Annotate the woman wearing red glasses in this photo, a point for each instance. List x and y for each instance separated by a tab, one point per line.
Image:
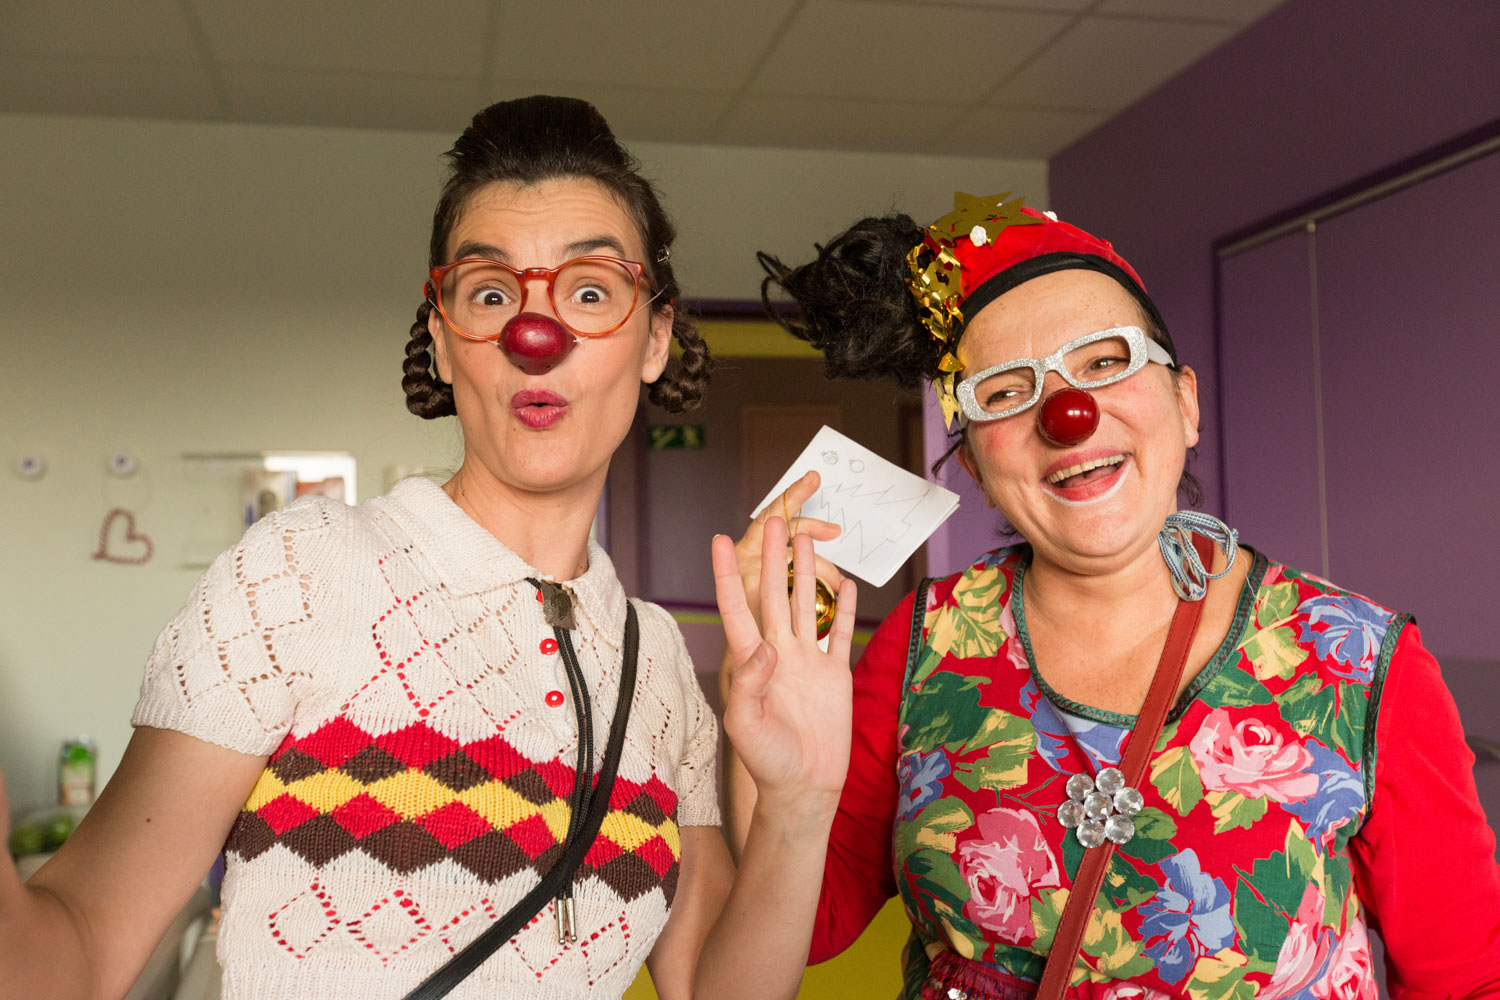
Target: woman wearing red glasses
448	755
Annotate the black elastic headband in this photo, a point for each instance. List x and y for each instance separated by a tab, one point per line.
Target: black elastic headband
997	285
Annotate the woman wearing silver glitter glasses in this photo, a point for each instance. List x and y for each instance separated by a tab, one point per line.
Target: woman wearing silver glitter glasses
1126	757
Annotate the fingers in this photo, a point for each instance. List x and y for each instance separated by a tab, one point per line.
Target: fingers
828	573
804	589
740	630
748	685
842	635
789	504
774	614
821	530
797	493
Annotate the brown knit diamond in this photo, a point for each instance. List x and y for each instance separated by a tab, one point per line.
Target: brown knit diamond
647	808
250	837
371	764
319	840
492	856
531	786
457	771
404	846
292	765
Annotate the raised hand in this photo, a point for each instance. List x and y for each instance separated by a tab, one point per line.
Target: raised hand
787	710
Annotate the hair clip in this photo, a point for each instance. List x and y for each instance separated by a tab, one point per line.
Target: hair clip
664	255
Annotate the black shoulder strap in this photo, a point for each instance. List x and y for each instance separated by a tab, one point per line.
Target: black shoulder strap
457	968
918	640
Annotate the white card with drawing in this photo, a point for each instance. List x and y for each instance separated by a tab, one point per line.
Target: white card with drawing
885	511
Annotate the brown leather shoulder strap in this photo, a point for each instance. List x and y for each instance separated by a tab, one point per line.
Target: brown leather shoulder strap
1148	725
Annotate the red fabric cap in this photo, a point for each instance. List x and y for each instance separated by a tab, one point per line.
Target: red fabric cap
1014	244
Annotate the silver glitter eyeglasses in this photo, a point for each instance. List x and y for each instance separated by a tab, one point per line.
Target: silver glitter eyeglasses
1088	362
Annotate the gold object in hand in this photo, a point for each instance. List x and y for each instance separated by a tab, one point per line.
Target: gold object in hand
824	602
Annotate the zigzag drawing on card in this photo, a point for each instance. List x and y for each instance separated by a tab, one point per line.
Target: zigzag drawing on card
885	511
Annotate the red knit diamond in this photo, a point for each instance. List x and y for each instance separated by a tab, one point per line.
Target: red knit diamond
284	812
363	815
601	852
334	742
417	745
558	776
664	796
532	836
497	757
623	793
454	824
656	853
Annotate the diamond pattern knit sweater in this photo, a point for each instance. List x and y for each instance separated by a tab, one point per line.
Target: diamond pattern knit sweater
394	663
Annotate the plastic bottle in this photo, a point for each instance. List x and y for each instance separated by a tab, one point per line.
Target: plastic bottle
77	768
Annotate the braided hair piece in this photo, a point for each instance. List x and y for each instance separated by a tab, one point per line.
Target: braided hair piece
427	395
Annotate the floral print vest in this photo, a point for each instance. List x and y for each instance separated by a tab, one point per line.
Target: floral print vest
1237	882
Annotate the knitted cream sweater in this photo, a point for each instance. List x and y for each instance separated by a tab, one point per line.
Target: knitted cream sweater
394	663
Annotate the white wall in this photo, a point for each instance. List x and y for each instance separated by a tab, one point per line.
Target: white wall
184	287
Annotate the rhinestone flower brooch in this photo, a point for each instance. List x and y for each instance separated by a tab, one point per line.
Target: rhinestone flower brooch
1100	809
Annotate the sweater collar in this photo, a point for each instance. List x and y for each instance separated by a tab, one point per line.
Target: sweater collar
470	560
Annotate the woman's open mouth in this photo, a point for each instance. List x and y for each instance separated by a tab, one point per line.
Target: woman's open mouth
1090	479
538	408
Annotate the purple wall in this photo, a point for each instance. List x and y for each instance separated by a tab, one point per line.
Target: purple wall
1312	96
1379	327
1406	313
1266	318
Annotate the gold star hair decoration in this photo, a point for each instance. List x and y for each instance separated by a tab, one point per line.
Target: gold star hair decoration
947	398
993	213
936	283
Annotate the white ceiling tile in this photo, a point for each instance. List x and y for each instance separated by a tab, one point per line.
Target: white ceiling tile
143	29
833	123
1057	5
136	89
847	74
1234	11
847	48
636	43
355	36
633	113
1108	63
1017	132
299	97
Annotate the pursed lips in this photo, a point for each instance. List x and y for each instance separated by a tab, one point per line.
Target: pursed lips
538	408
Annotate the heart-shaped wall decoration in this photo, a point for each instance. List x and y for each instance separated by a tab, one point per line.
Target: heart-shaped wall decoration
132	550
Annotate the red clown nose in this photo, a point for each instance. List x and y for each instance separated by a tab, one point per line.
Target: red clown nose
535	343
1069	416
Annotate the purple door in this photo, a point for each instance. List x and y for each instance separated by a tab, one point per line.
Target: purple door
1360	370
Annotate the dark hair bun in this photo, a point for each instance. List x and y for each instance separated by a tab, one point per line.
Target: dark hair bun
854	304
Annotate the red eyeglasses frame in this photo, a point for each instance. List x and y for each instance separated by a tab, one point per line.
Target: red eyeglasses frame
431	290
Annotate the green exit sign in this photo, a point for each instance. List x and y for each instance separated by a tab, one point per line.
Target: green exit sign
675	436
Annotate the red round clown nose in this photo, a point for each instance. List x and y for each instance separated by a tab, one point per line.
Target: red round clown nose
535	343
1069	416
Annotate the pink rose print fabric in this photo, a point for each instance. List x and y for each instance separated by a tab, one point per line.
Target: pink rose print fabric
1003	866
